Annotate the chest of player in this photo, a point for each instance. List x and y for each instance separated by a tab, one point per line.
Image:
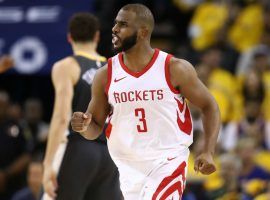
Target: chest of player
148	88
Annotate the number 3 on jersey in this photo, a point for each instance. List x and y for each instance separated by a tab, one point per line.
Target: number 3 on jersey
140	113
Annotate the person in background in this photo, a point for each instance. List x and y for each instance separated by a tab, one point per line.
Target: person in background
228	174
87	170
14	155
246	151
34	182
34	128
6	62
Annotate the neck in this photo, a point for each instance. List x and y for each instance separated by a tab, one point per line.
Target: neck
138	57
89	48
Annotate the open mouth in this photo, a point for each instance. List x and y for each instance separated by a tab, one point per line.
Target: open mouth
115	39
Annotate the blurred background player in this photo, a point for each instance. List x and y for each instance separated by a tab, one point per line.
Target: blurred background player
14	154
86	171
34	181
6	62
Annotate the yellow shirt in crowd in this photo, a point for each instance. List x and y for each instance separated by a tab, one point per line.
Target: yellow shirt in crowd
224	87
247	30
207	20
266	102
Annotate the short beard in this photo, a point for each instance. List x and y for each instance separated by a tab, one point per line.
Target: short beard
127	43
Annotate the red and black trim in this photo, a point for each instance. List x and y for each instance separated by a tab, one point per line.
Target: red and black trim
109	76
168	76
145	69
108	130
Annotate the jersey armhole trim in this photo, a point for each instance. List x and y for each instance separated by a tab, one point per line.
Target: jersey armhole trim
168	76
109	76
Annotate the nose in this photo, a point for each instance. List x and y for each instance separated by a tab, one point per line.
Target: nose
115	29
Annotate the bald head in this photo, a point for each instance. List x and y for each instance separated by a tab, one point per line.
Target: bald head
143	15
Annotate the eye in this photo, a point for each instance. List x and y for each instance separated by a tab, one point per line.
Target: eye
122	24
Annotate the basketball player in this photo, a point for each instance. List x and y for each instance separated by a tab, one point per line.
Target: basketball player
143	90
86	171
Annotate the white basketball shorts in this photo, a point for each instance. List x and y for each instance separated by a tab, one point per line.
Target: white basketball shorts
159	179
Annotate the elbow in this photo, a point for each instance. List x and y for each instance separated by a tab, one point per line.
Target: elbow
213	108
91	135
217	110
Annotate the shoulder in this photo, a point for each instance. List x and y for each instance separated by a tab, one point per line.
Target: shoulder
66	68
101	58
180	64
63	64
102	74
182	68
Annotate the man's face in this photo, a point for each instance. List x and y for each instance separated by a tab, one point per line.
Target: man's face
124	32
34	176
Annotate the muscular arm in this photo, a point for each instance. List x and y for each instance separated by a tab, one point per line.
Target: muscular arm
184	77
98	107
64	75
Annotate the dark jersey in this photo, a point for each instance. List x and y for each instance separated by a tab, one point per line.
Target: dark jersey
89	159
82	90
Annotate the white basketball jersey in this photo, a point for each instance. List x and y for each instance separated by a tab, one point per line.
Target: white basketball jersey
150	119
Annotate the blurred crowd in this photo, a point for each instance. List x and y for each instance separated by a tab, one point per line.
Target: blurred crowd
229	45
228	42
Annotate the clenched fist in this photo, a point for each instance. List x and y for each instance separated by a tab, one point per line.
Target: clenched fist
204	163
80	121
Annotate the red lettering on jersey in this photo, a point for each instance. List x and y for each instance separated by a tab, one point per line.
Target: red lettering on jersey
160	94
116	97
123	97
145	94
137	95
152	94
129	96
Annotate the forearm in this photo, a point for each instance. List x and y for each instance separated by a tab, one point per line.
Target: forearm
94	130
211	125
56	136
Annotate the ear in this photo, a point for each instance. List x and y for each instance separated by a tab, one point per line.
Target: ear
143	32
69	38
96	37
